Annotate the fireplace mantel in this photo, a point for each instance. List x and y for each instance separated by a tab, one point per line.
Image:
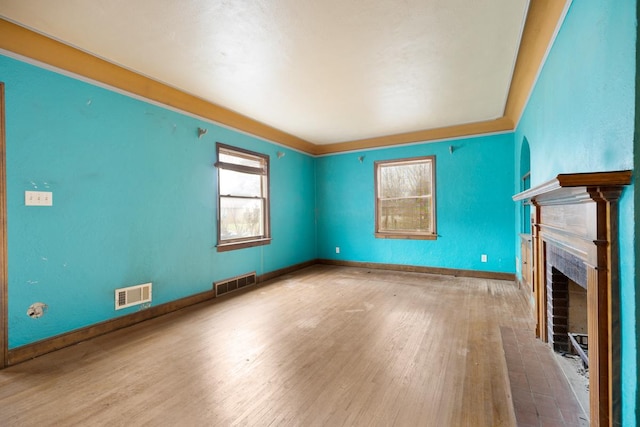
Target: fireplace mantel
575	188
577	214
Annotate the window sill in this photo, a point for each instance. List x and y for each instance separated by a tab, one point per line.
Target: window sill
232	246
406	236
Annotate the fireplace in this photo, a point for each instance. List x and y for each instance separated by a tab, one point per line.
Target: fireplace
575	277
567	313
566	275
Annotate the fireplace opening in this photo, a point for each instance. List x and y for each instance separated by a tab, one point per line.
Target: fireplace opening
578	318
567	314
567	323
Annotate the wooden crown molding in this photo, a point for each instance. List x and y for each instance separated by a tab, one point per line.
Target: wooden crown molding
542	20
503	124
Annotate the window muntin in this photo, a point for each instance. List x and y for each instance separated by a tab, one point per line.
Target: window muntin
405	198
243	198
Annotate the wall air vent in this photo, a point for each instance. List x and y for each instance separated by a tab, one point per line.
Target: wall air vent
133	295
229	285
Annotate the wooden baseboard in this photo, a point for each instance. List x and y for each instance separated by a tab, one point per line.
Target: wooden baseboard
287	270
29	351
419	269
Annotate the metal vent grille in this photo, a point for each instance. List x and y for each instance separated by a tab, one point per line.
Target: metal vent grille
133	295
235	283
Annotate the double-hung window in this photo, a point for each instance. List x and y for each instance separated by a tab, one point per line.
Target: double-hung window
405	198
243	198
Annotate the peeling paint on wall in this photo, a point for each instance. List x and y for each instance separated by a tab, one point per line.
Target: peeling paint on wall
36	310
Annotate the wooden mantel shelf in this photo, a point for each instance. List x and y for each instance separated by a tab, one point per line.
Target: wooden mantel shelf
575	185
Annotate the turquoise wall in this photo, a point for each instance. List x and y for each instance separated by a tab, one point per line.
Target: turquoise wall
473	203
134	200
580	118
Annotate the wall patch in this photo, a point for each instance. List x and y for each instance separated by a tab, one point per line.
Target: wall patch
36	310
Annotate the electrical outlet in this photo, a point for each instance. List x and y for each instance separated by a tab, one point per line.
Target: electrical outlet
38	198
483	257
337	249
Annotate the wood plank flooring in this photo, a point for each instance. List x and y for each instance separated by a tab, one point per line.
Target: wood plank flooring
323	346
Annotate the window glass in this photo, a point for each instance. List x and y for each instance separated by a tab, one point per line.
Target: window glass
405	198
240	218
240	184
405	180
237	159
405	215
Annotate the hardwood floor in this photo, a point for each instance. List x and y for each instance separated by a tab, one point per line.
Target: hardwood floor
323	346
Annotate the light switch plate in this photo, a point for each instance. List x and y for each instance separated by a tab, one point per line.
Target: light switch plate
38	198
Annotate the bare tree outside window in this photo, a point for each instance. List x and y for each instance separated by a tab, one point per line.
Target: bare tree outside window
405	198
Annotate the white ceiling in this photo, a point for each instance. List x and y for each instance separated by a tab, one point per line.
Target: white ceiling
326	70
